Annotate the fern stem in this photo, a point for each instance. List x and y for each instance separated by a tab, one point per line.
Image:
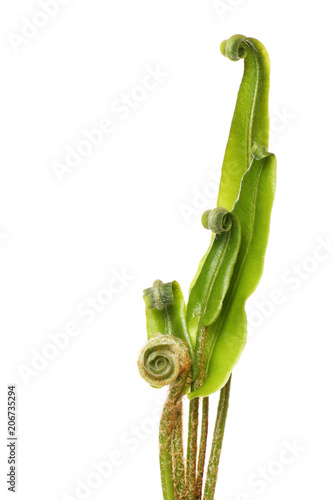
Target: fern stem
212	472
202	447
194	416
166	429
177	453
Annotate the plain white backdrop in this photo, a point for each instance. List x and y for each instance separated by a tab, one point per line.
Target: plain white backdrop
81	235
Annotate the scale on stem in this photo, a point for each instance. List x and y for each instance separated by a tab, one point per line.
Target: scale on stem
195	347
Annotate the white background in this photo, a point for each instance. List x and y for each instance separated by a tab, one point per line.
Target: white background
122	209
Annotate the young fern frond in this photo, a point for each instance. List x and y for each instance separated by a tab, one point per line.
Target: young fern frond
165	360
195	348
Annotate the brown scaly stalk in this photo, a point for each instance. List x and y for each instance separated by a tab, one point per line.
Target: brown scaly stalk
177	455
167	428
192	448
202	447
194	470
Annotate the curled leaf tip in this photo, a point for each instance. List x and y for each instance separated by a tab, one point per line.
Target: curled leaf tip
259	152
251	116
163	359
217	220
233	48
159	296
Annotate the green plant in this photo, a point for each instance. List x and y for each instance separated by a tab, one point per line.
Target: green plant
194	348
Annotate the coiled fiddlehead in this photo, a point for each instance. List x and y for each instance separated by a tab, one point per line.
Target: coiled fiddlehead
165	360
159	296
217	220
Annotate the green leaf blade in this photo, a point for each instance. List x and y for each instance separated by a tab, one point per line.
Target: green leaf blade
251	116
226	338
207	294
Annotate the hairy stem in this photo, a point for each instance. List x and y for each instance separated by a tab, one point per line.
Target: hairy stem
166	429
202	447
194	417
192	448
178	458
212	472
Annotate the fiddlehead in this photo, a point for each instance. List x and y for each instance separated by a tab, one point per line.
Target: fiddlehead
207	337
165	360
234	48
217	220
159	296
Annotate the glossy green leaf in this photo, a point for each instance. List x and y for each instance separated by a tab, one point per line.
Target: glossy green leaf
251	116
210	287
166	314
226	338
